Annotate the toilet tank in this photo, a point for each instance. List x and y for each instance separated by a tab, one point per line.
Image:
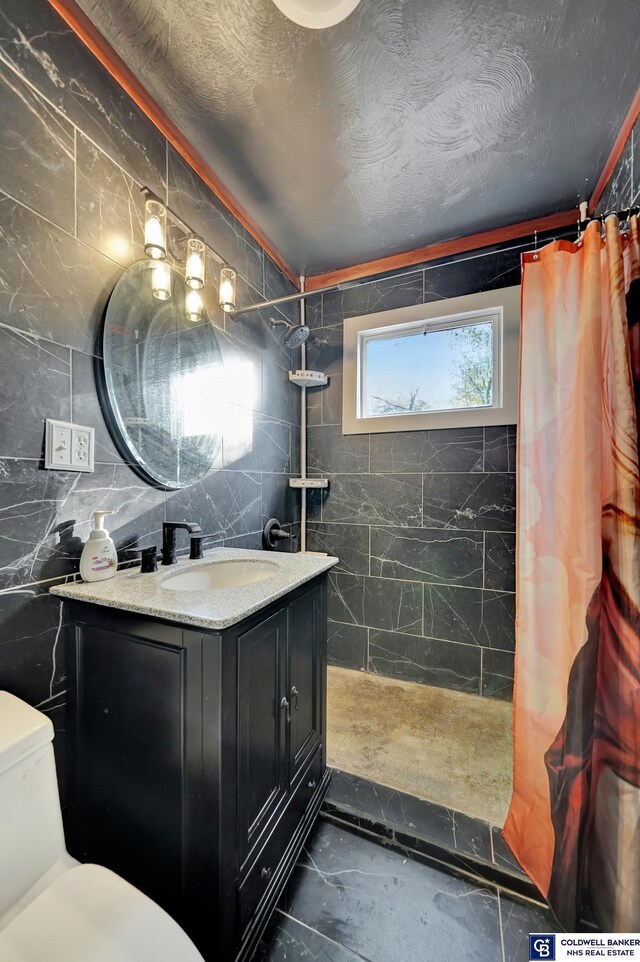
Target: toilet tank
31	834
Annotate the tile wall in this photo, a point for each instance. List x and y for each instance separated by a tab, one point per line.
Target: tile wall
74	151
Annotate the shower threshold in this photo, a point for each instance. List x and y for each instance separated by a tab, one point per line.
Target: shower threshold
442	746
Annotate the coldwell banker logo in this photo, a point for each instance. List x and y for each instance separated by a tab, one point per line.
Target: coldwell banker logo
542	947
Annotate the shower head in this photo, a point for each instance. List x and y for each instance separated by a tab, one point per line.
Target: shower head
295	336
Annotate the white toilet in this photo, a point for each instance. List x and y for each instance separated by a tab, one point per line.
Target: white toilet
52	909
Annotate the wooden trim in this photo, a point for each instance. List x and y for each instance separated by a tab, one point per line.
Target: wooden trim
616	151
75	18
445	249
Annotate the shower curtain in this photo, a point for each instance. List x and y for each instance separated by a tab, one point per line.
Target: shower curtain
574	819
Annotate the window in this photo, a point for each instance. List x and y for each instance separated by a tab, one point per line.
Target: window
449	364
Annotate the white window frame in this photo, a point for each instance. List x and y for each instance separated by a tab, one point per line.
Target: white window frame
502	307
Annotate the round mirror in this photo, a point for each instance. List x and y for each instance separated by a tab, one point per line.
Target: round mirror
162	376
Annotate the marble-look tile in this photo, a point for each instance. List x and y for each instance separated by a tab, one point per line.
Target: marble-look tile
45	516
348	542
110	207
618	193
368	298
421	554
243	374
425	660
280	398
225	503
324	350
497	674
332	400
313	311
415	817
314	405
86	408
376	602
519	918
254	442
427	451
470	616
500	448
35	384
279	500
287	940
500	561
32	662
387	907
347	645
51	285
36	151
38	43
193	200
485	270
276	284
375	499
473	501
254	330
332	452
502	854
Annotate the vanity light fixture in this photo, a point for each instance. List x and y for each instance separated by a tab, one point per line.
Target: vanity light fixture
227	299
316	14
194	271
161	281
155	228
193	306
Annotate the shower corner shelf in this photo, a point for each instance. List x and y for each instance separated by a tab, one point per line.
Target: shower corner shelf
308	378
308	483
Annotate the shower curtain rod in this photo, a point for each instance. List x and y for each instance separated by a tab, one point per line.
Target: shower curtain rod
623	214
302	295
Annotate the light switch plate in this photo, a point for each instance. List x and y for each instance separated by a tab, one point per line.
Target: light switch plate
68	447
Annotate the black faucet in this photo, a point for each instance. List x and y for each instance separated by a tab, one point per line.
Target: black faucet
169	538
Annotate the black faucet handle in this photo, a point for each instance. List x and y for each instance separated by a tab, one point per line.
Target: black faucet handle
195	553
148	558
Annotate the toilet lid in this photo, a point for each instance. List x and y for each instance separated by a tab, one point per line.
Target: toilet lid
89	914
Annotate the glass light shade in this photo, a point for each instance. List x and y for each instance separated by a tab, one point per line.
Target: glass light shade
194	271
161	282
316	14
227	299
193	306
155	229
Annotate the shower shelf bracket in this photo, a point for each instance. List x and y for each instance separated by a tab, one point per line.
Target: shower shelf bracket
308	483
308	378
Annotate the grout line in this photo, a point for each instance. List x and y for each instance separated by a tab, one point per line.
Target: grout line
75	183
447	641
504	958
309	928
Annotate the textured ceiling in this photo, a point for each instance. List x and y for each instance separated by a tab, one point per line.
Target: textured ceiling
411	122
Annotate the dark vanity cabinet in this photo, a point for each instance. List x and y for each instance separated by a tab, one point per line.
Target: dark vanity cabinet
198	758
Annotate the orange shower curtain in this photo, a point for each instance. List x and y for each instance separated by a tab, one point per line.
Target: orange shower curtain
574	820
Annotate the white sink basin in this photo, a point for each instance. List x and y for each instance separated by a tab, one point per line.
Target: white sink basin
221	574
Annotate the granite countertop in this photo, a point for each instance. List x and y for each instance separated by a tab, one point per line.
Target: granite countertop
213	609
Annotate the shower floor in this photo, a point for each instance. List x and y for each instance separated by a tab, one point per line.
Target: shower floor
443	746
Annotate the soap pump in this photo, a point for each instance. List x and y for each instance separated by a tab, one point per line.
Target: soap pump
99	559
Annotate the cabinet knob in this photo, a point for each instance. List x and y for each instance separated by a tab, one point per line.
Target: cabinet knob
284	706
294	695
265	872
312	783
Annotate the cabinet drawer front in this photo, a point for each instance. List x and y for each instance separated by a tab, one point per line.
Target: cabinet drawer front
266	867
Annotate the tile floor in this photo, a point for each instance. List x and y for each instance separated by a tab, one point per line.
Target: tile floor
422	740
351	899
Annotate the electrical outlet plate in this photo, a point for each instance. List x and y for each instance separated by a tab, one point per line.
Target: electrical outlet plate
68	447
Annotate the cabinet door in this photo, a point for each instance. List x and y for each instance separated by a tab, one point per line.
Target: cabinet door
304	677
262	720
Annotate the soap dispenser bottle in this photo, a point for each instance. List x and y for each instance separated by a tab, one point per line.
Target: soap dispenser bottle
99	559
